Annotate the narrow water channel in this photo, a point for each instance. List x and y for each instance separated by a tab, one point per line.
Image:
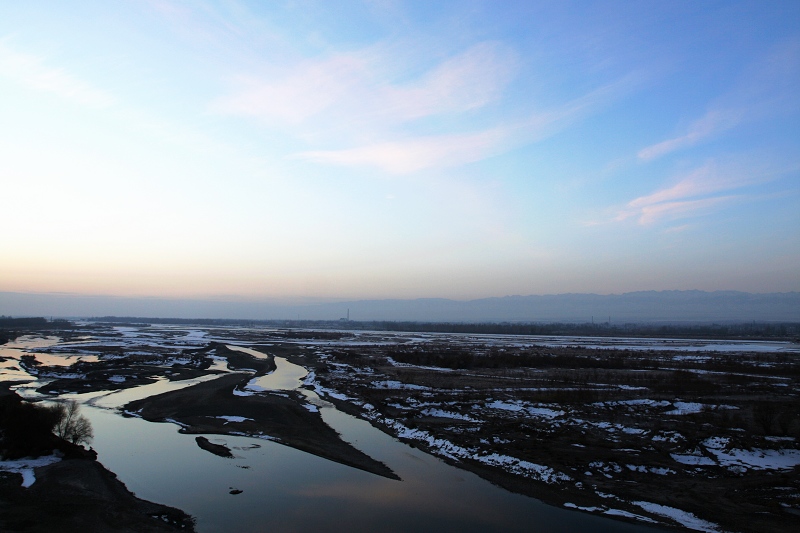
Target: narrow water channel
284	489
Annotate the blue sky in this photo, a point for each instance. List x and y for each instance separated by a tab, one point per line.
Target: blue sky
382	149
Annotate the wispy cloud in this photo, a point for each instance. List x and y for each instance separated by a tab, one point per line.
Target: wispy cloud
306	91
700	191
467	81
409	155
403	157
768	87
712	123
353	85
33	72
674	210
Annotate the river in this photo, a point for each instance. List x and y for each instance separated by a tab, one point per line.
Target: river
284	489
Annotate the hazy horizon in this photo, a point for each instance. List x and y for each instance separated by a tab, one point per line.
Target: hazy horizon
337	151
634	307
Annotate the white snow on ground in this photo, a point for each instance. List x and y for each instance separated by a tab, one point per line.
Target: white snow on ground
780	439
544	412
611	428
758	459
589	509
127	331
117	379
447	414
643	401
311	381
685	408
689	408
407	365
521	406
250	389
254	436
525	468
173	421
392	384
668	436
231	418
56	375
505	406
626	514
26	466
650	469
693	459
716	443
682	517
448	449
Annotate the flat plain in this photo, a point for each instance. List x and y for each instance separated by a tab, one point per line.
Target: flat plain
674	433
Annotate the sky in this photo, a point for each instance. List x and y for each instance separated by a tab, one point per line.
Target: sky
312	151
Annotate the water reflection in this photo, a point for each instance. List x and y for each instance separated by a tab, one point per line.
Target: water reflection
285	489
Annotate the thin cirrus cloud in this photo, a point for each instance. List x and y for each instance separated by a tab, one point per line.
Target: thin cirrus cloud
413	154
712	123
465	82
674	210
352	84
697	193
303	93
767	87
403	157
32	71
374	116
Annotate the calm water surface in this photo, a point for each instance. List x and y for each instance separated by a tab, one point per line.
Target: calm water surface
288	490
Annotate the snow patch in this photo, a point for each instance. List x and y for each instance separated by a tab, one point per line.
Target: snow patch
26	466
231	418
682	517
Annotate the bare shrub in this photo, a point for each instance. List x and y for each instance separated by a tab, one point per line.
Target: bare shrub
72	425
764	415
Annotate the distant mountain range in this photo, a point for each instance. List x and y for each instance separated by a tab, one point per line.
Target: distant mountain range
647	306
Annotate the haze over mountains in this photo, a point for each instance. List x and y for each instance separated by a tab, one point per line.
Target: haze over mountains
647	306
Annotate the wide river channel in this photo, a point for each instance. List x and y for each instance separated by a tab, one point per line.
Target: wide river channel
284	489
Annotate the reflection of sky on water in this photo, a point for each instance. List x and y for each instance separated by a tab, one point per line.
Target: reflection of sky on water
285	489
14	349
288	490
118	398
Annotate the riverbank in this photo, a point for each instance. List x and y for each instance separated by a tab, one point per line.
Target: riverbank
81	496
62	487
702	441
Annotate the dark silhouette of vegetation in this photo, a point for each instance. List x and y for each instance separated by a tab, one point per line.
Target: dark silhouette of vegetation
71	425
7	322
27	429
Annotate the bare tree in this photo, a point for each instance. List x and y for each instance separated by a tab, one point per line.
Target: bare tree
72	425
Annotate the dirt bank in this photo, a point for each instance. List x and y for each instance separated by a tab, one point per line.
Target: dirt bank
81	496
